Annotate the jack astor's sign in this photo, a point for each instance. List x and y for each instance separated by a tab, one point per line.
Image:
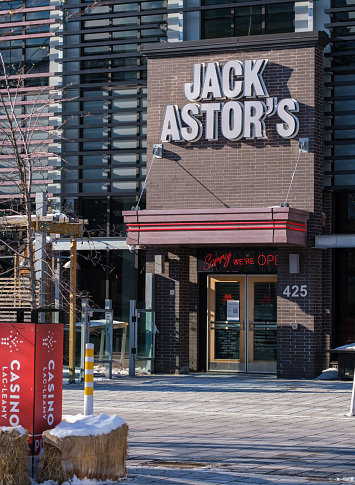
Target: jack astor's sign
241	104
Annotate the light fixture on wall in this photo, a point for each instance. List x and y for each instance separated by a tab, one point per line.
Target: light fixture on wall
294	263
159	260
67	265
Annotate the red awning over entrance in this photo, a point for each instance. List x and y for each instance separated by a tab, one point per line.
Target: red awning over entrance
271	225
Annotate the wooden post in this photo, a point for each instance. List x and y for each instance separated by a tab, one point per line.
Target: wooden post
72	304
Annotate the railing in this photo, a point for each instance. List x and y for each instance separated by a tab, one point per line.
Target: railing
15	293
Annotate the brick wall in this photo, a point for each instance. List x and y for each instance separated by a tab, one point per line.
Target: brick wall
245	173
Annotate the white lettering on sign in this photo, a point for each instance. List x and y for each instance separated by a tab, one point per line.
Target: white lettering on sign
4	391
226	85
48	393
295	291
15	394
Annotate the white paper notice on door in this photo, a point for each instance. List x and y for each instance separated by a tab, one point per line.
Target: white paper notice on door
232	310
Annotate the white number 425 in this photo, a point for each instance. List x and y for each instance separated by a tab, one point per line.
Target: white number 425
295	291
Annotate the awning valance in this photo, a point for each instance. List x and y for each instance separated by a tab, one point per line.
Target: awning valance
271	225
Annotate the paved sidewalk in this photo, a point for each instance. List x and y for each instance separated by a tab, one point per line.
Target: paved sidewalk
229	429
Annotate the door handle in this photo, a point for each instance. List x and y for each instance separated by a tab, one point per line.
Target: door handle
262	325
226	325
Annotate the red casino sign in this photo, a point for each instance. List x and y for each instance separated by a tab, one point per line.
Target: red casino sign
31	378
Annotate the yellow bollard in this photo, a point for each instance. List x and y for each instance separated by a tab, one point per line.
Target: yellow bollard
89	380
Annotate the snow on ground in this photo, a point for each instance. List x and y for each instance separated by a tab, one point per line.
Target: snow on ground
328	374
77	481
81	425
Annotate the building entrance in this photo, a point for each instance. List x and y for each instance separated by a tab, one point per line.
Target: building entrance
242	323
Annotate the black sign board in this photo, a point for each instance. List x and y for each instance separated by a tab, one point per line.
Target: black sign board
244	261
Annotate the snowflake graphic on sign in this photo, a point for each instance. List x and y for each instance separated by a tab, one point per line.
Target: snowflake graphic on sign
12	341
49	341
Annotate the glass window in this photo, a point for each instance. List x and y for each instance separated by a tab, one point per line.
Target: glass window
124	76
346	30
94	187
93	24
95	105
344	105
153	5
344	296
125	34
344	90
128	7
124	144
125	21
126	172
123	158
248	21
118	205
124	117
94	173
343	135
125	48
217	23
94	160
96	37
97	10
101	49
125	102
95	211
152	19
95	145
96	64
348	60
37	29
279	18
343	16
123	186
95	132
152	33
45	14
124	62
124	131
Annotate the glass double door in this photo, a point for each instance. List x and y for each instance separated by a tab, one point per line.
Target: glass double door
242	323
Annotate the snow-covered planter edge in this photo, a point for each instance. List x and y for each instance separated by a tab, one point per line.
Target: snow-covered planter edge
93	447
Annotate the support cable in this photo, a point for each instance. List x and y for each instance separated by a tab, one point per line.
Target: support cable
145	182
285	204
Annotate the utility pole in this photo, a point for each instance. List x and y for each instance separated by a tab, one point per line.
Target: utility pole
40	253
72	309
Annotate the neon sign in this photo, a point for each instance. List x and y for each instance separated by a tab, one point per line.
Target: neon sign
227	85
237	261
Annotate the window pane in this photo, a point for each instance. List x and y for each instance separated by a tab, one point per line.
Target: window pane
279	18
248	21
217	23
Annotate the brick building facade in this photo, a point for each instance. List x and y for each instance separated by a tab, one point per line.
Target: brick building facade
216	197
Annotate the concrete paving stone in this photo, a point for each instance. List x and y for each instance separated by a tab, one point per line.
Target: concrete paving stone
251	422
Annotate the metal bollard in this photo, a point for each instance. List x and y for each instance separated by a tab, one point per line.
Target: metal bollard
89	380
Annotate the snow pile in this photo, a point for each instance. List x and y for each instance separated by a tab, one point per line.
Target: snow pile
83	481
81	425
100	369
328	374
346	347
20	429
